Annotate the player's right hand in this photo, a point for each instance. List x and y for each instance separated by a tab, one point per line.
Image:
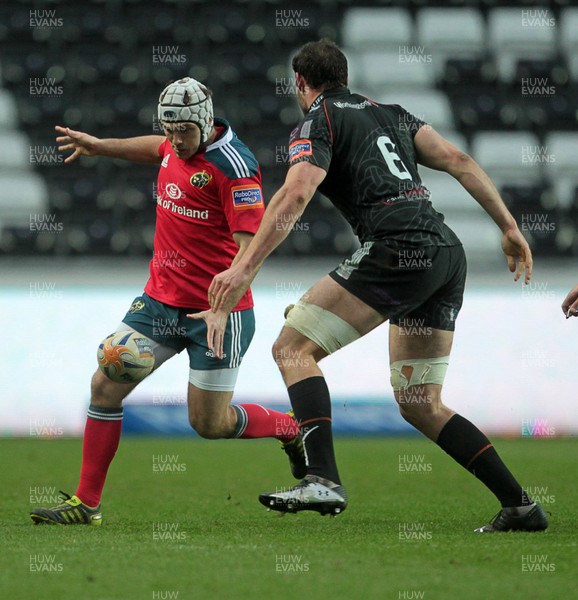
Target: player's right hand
228	287
570	304
516	248
216	325
81	143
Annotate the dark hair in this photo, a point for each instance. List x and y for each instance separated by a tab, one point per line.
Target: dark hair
322	64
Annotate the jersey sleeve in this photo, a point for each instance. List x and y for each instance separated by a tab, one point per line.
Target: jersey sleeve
409	122
243	203
311	141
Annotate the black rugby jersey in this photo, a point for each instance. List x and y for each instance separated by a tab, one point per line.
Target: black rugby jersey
372	179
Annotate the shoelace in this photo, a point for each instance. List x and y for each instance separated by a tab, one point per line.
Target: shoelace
65	497
302	484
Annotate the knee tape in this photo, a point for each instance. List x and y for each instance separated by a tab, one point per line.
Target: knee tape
419	371
321	326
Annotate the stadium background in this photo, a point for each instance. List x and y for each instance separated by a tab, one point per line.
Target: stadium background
499	79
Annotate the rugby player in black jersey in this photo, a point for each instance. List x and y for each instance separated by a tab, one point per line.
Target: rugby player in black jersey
410	269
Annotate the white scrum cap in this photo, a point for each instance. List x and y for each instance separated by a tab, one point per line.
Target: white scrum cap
187	100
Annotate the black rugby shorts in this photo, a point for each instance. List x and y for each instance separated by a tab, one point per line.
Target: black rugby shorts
410	286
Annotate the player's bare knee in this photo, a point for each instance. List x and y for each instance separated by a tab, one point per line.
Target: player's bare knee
277	349
410	416
106	393
418	398
288	357
211	427
418	403
280	352
208	429
282	347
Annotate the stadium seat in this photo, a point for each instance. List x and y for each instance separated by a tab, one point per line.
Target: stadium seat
542	87
524	29
23	60
509	158
447	195
529	198
431	106
550	71
153	23
562	148
469	74
16	240
104	58
8	111
568	32
15	150
15	23
538	214
488	110
23	194
450	32
321	229
376	28
389	70
357	81
573	65
316	24
566	190
479	234
572	211
523	32
106	50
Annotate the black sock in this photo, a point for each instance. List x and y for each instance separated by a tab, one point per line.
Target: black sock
312	407
468	446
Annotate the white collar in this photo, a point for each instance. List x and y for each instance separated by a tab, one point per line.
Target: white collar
225	139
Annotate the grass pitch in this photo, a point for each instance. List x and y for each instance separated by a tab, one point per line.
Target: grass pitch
196	530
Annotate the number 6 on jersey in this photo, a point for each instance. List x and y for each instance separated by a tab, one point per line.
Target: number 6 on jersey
391	157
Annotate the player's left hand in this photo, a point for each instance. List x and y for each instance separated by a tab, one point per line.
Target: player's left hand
570	304
228	287
216	324
516	248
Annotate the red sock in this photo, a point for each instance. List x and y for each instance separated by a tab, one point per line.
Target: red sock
255	421
101	439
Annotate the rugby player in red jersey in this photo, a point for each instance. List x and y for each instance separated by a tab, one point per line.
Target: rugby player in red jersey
209	206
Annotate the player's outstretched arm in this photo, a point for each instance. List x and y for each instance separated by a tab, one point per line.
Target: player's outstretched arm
142	149
570	304
286	206
436	152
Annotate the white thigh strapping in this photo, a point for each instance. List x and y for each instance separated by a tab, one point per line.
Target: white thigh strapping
215	380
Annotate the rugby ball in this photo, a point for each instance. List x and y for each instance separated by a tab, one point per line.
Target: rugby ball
126	357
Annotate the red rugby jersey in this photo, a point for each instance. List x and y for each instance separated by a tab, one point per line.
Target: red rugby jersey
200	203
